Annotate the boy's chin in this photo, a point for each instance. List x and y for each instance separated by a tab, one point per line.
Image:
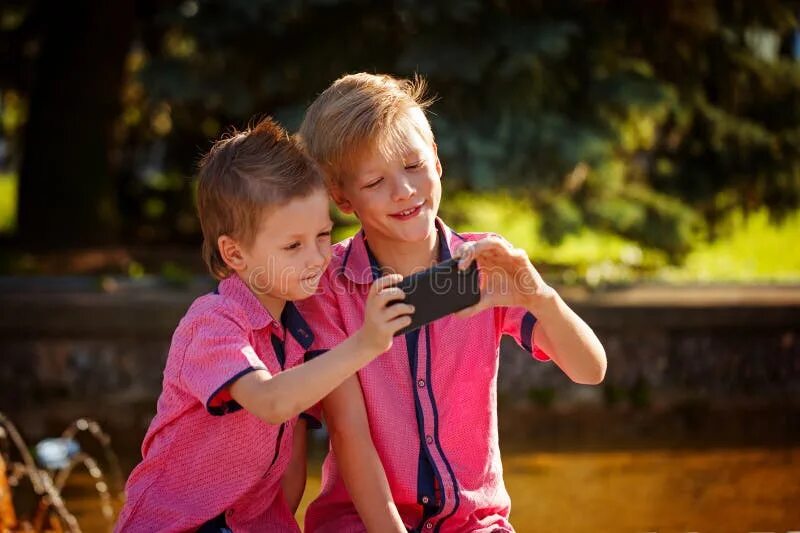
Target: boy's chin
412	231
304	290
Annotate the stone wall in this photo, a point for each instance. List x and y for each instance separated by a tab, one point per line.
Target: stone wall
68	349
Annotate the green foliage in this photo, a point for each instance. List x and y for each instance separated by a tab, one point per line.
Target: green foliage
752	248
624	126
8	202
582	105
747	247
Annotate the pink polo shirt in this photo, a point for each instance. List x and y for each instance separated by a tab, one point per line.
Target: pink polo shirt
204	457
431	402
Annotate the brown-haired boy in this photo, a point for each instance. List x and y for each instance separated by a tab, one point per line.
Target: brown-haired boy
216	451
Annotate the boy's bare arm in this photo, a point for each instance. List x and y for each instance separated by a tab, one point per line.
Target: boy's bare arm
276	399
567	339
293	481
360	466
509	279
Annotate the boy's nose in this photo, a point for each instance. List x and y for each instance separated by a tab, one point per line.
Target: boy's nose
317	258
403	188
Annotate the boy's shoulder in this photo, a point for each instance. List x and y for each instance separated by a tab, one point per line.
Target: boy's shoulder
212	309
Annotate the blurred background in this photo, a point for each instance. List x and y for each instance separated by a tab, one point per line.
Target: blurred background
645	154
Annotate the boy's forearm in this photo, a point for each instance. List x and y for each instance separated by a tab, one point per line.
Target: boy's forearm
570	342
365	479
276	399
293	481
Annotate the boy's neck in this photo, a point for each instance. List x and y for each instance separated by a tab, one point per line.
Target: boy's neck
405	258
272	304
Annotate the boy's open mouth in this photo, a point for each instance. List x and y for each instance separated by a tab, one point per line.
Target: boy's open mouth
408	213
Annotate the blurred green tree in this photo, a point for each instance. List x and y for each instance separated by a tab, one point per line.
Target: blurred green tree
647	119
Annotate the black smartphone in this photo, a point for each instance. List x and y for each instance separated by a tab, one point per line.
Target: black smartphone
439	291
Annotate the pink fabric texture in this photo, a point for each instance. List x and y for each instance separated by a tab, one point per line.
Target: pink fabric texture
431	401
203	454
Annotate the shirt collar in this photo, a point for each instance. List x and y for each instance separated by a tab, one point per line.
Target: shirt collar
360	266
259	317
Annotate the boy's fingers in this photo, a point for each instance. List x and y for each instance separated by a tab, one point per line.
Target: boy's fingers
465	254
390	293
385	281
489	244
400	322
400	309
462	250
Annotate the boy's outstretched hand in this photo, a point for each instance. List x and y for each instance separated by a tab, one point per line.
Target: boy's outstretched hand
381	320
507	276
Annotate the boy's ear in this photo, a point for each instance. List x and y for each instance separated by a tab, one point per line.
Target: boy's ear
438	162
231	253
339	199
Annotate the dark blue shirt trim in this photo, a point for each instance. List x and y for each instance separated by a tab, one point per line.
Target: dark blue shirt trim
424	487
526	331
215	525
312	354
293	321
311	420
436	439
277	347
230	406
464	239
277	449
373	263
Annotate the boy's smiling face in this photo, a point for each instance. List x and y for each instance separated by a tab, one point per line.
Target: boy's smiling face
396	198
290	251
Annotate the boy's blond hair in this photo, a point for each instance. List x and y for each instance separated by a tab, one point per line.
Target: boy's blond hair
244	173
360	114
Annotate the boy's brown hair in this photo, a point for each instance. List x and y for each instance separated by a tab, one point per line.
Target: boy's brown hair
362	113
244	173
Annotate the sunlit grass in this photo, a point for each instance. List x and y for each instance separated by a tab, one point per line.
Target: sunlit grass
755	249
751	249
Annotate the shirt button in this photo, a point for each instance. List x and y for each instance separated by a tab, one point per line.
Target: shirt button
429	439
428	525
421	383
425	499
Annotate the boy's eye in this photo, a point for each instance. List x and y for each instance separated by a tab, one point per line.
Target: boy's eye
292	246
325	234
418	164
373	183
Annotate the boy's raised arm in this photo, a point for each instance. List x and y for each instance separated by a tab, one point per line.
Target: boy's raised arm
276	399
509	279
359	464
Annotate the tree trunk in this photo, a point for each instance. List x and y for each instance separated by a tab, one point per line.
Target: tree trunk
66	193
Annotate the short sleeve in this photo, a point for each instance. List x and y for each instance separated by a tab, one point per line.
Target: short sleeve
322	314
519	323
218	354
